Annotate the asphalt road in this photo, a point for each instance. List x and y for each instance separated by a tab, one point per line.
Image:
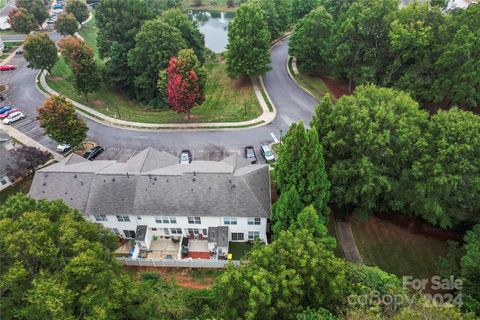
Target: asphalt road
292	103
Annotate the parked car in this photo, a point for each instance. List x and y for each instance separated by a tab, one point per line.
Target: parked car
250	154
57	6
13	117
6	114
5	109
267	153
185	157
63	147
7	67
93	153
19	52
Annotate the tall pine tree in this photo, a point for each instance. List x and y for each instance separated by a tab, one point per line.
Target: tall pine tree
301	164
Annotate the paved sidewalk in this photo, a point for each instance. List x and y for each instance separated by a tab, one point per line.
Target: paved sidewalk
347	241
266	117
26	140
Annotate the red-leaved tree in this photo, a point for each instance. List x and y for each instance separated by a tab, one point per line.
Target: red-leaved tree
184	88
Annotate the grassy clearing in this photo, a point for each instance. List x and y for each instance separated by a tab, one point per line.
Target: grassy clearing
396	250
264	95
226	100
239	249
216	5
89	33
315	85
23	186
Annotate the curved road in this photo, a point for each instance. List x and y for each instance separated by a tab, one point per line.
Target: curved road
292	103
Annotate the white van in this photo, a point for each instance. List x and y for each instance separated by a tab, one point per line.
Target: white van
14	117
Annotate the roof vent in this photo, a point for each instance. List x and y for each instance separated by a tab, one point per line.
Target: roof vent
81	183
113	179
75	176
66	192
233	186
150	176
44	184
167	180
155	179
128	175
104	180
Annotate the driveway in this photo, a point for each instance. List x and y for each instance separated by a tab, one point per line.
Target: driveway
292	103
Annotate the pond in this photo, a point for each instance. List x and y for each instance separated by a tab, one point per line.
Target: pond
214	25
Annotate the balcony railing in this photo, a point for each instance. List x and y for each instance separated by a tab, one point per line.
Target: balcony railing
176	263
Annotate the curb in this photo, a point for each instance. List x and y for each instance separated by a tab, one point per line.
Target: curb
262	120
295	80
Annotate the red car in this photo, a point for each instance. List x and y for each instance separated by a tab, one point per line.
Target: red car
4	115
7	67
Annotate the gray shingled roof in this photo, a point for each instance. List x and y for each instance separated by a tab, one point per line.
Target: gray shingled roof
153	183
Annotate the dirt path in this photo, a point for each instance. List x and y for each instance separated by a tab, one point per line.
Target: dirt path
347	241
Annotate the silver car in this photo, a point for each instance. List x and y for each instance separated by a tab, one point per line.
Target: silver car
267	153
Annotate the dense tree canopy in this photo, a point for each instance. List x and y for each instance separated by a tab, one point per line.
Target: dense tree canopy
56	265
446	176
300	8
309	42
189	30
301	164
78	8
36	8
156	42
285	210
118	22
370	139
21	21
248	42
66	24
40	51
58	118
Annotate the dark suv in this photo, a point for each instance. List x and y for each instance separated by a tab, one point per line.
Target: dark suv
250	154
93	153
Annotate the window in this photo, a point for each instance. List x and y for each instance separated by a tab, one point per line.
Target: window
100	217
229	220
205	232
154	229
252	235
253	221
158	219
129	233
173	220
167	231
165	220
123	218
176	230
115	230
194	231
194	220
139	218
237	236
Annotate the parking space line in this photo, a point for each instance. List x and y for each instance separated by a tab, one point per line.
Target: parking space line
274	138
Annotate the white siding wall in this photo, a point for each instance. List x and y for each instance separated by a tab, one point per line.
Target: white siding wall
242	225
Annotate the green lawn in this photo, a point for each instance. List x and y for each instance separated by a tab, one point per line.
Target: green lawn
9	48
239	249
22	186
8	32
89	33
226	100
396	250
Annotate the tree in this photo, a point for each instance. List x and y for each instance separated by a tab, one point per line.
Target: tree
370	141
361	41
248	43
21	21
156	43
309	42
445	177
40	52
270	14
56	265
470	270
26	159
66	24
189	30
230	3
79	9
284	12
301	8
81	60
182	85
301	164
279	280
459	62
286	209
417	37
36	8
58	118
118	21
